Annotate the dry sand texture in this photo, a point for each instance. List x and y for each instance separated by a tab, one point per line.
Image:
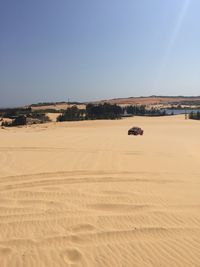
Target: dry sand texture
87	194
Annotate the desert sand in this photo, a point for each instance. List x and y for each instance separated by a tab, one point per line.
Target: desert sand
87	194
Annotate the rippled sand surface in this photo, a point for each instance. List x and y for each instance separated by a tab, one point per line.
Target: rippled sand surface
87	194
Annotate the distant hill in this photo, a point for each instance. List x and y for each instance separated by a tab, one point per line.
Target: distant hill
153	100
150	100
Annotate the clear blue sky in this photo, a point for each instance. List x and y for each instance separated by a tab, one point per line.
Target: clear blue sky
52	50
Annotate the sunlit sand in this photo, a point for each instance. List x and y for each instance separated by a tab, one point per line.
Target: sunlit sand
87	194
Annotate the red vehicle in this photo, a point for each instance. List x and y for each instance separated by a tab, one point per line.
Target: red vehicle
135	131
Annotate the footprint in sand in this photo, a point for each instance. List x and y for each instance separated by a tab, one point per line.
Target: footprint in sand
5	252
72	255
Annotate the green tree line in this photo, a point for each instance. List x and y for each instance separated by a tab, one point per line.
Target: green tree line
194	115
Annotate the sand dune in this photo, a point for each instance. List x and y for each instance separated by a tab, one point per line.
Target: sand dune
87	194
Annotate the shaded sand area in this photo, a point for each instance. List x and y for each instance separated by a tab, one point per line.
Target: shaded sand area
87	194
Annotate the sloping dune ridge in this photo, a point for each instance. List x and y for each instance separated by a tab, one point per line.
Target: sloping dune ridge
87	194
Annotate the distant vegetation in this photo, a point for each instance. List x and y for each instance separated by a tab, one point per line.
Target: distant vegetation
187	103
103	111
18	121
22	116
92	112
53	103
72	114
106	111
48	110
194	115
37	117
13	112
143	111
